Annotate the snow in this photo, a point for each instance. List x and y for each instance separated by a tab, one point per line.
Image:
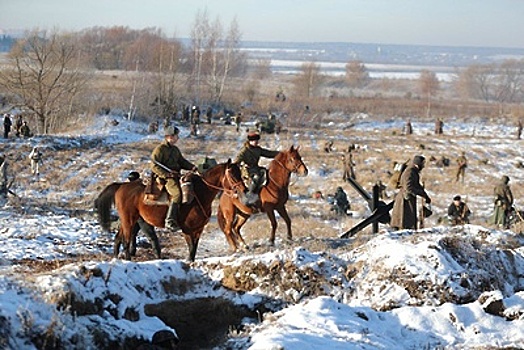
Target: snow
372	309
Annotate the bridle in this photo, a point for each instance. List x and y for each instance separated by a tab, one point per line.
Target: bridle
234	185
293	170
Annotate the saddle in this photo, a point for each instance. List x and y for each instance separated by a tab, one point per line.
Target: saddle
156	193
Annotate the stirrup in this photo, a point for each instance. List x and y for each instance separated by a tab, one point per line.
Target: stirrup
172	226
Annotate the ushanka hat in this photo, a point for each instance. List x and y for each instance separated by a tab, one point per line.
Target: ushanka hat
253	136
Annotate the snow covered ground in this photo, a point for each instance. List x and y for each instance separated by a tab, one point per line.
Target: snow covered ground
436	288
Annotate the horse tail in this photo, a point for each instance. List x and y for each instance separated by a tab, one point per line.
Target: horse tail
103	204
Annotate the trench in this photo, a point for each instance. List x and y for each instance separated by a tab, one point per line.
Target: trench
201	323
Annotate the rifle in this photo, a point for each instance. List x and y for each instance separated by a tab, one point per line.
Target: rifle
165	167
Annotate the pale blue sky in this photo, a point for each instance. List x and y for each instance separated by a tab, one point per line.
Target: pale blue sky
498	23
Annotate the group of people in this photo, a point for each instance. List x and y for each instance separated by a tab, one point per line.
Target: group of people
439	127
167	161
404	214
21	127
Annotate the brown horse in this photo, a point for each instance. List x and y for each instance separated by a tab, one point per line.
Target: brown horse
233	214
194	216
103	204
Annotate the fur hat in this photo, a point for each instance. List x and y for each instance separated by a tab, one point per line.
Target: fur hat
419	160
171	131
253	136
457	198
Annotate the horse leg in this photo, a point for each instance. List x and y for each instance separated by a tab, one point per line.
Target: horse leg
192	244
226	217
271	215
118	242
283	213
126	234
134	233
240	221
149	231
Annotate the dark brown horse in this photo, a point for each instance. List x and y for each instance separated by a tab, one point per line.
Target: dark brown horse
194	216
233	214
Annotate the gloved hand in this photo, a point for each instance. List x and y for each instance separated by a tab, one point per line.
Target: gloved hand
428	200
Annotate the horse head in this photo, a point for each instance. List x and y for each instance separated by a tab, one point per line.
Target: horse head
233	179
227	178
294	162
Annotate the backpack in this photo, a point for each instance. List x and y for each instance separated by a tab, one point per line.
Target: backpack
398	169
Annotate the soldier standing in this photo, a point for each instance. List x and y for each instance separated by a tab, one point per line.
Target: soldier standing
462	164
503	203
36	159
439	127
349	170
404	214
7	125
408	128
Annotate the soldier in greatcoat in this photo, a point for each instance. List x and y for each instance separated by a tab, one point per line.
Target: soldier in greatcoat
404	215
503	203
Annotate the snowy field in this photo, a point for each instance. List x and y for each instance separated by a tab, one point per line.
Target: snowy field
437	288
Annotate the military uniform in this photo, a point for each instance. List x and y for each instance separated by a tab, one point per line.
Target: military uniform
458	212
167	161
248	158
171	157
462	164
503	203
341	203
404	214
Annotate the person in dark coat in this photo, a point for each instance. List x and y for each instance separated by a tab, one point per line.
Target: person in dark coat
7	125
341	203
248	159
404	215
408	128
458	212
503	203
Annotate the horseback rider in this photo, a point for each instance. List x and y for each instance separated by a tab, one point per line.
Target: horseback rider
167	161
248	158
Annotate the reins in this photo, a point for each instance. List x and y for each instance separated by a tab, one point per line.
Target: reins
229	192
279	186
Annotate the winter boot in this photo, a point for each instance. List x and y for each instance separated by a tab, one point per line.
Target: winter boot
251	194
172	217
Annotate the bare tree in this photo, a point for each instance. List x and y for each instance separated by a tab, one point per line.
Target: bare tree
225	60
43	75
261	69
308	81
509	81
477	81
214	56
199	42
429	85
356	74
